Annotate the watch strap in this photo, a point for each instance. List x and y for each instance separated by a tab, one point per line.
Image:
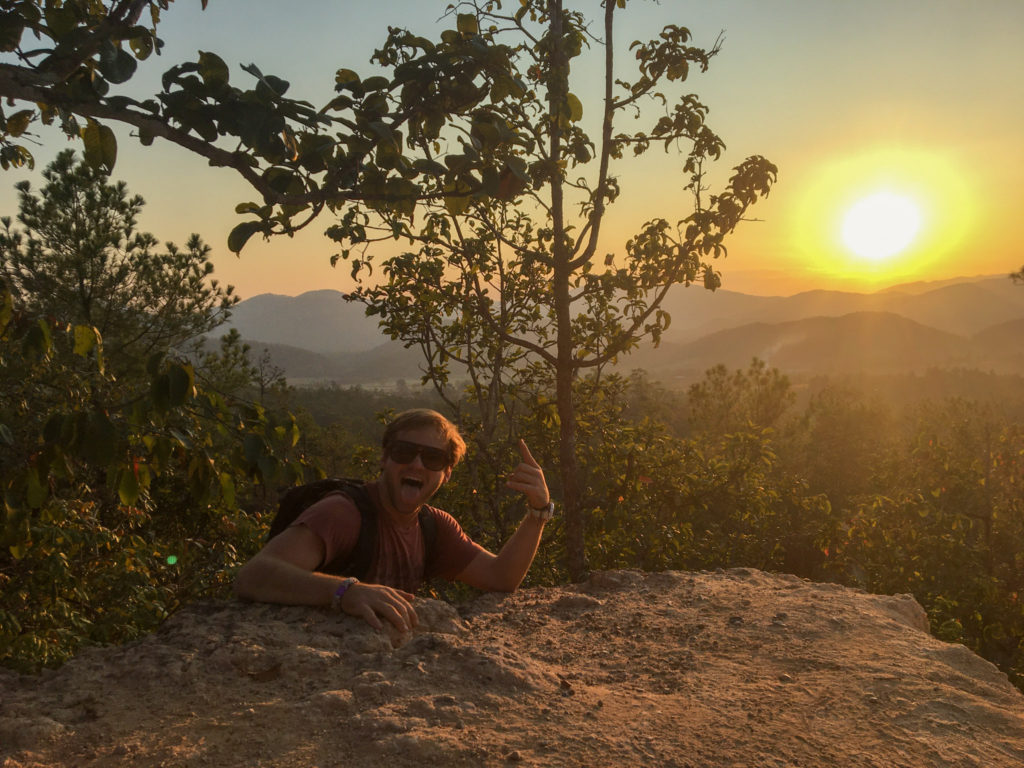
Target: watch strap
545	512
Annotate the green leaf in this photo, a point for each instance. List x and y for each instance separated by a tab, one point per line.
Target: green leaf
86	337
456	205
128	489
253	447
160	391
283	181
99	439
467	24
116	64
227	490
181	384
6	308
678	70
12	24
61	20
38	341
241	233
268	469
18	123
376	83
36	491
142	46
100	146
575	107
212	69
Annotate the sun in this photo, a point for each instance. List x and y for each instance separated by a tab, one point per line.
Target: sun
881	225
881	215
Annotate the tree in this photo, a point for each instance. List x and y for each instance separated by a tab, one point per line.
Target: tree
468	149
753	399
123	478
79	259
68	58
500	278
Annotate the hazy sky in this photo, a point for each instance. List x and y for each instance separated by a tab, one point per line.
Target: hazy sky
919	100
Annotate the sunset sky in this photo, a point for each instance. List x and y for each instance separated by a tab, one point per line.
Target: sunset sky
897	126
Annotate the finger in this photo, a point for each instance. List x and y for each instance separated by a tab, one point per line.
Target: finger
520	485
524	451
368	615
403	606
406	607
394	615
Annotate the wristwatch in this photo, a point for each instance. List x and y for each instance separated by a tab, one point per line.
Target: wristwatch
544	513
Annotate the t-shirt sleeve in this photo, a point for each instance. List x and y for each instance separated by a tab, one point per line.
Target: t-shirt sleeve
455	550
336	520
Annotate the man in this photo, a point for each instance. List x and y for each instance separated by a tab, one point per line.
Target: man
420	449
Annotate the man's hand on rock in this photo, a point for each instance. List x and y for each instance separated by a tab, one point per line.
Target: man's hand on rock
373	602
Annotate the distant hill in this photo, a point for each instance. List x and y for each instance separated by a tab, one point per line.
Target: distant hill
880	342
319	321
1001	347
976	322
384	364
962	307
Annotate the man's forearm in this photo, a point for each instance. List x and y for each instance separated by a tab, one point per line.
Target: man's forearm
515	558
272	580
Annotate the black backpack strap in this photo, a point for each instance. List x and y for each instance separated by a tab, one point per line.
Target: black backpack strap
428	529
299	498
358	561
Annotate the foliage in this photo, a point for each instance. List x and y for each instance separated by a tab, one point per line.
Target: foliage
722	402
949	527
500	280
79	259
232	368
67	59
123	476
119	503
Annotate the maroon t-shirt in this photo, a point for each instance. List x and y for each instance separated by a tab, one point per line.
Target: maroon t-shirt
399	559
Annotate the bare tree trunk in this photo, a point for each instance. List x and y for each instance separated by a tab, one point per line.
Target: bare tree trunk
565	372
575	515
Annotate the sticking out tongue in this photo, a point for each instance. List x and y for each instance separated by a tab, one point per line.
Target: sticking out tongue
409	490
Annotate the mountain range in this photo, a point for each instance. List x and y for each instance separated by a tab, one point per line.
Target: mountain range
975	322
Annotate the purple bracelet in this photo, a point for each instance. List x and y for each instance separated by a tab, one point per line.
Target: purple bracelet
340	593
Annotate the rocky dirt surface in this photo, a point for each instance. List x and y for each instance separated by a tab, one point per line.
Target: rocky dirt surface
733	668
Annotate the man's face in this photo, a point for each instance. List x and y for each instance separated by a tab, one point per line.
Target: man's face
407	485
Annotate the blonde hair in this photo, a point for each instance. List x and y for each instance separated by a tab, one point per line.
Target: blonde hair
417	418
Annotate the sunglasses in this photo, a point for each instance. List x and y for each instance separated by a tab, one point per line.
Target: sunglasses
404	452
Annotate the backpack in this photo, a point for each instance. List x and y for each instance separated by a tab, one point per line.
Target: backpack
357	563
